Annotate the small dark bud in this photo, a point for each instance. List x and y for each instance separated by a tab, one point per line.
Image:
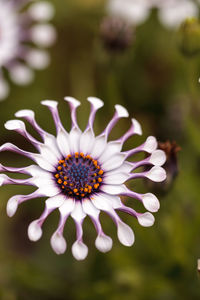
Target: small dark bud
116	34
190	37
171	165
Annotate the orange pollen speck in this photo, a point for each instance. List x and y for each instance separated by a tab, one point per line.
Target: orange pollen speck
65	182
99	179
59	168
85	190
96	186
100	172
75	190
57	175
59	181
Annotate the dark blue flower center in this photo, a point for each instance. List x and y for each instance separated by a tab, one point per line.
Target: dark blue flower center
79	175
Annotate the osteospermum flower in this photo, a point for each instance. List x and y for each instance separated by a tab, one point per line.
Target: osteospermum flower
21	33
170	12
83	174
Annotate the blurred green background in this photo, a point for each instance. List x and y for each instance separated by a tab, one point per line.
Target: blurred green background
156	78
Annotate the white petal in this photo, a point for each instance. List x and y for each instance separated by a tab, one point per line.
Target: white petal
58	243
86	141
79	250
111	149
43	180
150	144
48	154
73	101
49	190
43	35
156	174
50	141
14	125
121	111
136	127
97	103
55	201
103	243
116	178
114	201
21	74
50	103
38	59
100	202
43	163
89	209
41	11
35	171
114	189
146	219
151	202
74	139
125	234
34	231
113	162
67	207
126	168
172	15
78	213
25	113
158	158
99	146
12	206
4	89
63	142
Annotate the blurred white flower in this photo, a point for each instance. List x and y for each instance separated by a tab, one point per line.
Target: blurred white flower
22	31
170	12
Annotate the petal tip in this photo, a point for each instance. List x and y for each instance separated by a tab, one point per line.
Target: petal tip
12	206
158	158
58	243
25	113
121	111
14	125
34	231
136	127
72	101
50	103
150	202
96	102
103	243
79	250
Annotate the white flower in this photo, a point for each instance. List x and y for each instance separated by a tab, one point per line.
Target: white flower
82	175
19	28
171	12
